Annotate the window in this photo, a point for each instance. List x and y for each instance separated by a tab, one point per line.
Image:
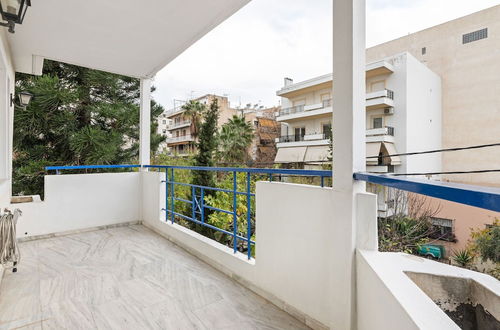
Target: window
443	229
164	131
424	50
474	36
299	133
327	130
164	122
378	122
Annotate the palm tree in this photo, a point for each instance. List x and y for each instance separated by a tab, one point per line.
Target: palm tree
234	139
194	111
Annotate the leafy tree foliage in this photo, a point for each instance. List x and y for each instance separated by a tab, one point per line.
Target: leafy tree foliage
234	139
486	242
195	111
78	116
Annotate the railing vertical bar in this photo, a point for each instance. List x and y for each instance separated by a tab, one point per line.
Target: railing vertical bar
166	195
193	203
322	181
249	215
172	195
270	177
202	204
235	216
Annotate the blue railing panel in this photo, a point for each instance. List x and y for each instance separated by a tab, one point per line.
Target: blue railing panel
483	197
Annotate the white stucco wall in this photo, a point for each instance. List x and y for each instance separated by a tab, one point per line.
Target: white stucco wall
79	201
423	124
383	286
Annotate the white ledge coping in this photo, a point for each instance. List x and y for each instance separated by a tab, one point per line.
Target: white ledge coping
391	267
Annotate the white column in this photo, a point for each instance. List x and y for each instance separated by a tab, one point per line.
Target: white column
348	151
145	123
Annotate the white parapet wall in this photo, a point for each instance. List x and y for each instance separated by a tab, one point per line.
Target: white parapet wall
80	201
294	241
383	284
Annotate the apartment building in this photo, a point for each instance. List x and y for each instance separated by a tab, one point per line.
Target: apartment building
163	124
181	140
262	151
465	53
403	113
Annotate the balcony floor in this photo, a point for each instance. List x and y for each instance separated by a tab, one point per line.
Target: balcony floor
126	278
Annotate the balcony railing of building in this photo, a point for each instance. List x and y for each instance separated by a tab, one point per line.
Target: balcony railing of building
292	110
327	103
382	93
387	130
182	138
487	198
194	197
307	137
179	124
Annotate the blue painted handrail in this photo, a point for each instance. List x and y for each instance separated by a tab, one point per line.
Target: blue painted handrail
58	169
199	207
483	197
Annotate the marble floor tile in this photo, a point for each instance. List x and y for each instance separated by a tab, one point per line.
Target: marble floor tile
126	278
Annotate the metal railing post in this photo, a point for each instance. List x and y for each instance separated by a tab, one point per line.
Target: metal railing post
235	215
166	195
172	197
249	216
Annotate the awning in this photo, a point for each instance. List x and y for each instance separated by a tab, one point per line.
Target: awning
372	150
290	155
391	150
316	154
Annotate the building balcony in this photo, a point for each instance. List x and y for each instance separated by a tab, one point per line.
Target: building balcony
301	111
380	99
181	124
108	250
180	139
384	134
375	100
303	140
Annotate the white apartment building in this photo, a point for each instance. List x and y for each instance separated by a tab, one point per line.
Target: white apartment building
163	124
403	114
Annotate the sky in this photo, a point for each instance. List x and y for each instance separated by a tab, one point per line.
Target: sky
247	57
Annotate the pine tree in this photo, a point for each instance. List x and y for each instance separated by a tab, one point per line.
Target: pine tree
78	116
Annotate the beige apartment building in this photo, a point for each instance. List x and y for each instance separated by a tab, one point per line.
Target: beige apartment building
465	53
180	140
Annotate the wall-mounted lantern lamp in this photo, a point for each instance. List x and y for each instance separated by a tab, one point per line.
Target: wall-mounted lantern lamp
24	99
13	12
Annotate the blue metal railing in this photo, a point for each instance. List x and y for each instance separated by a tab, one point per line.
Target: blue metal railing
58	169
198	193
483	197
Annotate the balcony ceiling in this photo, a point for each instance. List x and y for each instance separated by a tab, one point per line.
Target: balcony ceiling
129	37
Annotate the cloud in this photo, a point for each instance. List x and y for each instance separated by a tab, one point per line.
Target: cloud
248	56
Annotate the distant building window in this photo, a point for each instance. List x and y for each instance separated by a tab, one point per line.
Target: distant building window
443	229
164	121
474	36
164	131
424	50
378	122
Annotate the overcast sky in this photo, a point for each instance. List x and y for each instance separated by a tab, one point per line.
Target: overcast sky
247	56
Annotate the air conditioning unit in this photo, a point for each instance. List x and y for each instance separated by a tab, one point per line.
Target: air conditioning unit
389	111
